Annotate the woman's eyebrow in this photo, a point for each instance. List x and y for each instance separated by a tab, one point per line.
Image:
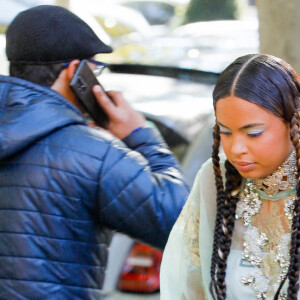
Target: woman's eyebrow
252	125
220	124
243	127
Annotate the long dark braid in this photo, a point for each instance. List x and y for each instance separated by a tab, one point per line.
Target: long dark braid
226	226
225	216
293	274
220	203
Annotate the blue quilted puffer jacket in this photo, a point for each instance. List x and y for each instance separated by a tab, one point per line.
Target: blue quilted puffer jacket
62	183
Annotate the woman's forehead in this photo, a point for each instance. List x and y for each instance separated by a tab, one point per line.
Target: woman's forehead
235	110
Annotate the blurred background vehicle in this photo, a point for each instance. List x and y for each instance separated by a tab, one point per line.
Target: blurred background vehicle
152	32
167	70
208	46
158	12
139	38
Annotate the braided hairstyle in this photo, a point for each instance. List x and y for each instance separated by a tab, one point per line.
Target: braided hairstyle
272	84
293	273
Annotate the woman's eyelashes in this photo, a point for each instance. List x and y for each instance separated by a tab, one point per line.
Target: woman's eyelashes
254	132
225	132
251	133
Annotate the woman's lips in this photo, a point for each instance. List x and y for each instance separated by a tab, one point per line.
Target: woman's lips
244	166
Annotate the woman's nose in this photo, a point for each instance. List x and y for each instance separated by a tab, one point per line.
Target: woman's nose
238	146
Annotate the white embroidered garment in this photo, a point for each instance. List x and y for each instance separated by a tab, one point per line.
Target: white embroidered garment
185	269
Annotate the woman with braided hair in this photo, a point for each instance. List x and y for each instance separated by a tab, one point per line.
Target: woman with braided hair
238	236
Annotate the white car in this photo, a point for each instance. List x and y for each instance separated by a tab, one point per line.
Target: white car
158	12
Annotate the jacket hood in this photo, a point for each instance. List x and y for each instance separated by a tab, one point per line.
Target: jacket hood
29	112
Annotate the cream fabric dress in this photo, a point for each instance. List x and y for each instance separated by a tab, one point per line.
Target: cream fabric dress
185	269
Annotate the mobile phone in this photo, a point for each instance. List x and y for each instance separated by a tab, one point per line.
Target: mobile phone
82	84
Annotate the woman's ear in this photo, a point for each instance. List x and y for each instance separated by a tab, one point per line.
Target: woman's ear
72	67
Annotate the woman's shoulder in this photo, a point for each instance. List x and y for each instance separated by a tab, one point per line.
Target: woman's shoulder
204	188
207	171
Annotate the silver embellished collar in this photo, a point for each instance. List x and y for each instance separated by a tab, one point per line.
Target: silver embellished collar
284	178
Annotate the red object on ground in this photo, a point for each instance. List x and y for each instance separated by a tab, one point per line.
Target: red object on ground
141	270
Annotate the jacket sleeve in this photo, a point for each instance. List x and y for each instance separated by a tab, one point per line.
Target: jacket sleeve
141	188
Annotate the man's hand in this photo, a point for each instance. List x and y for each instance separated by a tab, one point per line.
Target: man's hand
123	119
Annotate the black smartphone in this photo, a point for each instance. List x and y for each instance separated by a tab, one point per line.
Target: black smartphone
82	83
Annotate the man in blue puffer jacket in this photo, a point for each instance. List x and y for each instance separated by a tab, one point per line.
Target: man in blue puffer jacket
64	183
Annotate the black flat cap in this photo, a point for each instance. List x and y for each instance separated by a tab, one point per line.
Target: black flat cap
49	34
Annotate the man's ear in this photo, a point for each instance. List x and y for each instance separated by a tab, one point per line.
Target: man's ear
72	67
61	84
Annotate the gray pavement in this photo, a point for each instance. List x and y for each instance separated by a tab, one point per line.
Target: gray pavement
129	296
